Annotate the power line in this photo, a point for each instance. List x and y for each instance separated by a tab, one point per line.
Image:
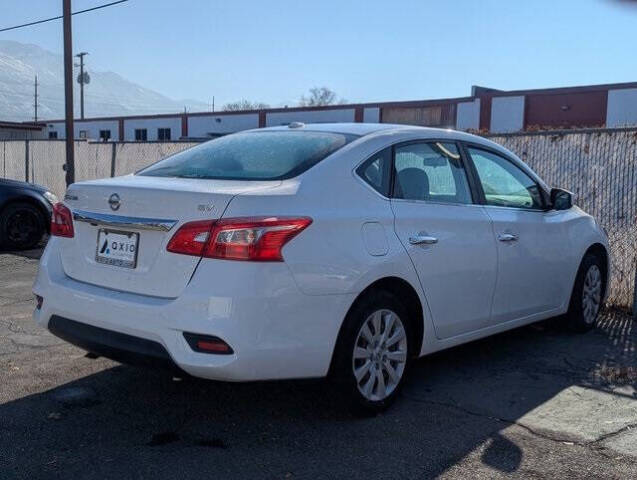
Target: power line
60	16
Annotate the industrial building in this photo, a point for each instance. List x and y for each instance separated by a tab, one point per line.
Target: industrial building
486	110
22	130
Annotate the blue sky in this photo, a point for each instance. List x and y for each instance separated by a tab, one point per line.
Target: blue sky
365	50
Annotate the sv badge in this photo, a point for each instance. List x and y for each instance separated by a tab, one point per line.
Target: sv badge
206	208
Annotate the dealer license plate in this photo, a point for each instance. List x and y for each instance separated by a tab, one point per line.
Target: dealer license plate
117	248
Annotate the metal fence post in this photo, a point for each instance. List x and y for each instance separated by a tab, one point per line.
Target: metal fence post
635	294
26	160
113	157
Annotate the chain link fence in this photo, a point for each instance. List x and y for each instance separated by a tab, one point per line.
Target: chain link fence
42	161
598	165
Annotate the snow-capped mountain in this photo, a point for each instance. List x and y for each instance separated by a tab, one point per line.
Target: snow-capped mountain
107	94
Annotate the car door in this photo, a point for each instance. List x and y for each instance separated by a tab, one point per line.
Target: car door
530	239
448	238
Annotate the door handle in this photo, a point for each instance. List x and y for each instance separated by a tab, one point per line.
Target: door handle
507	237
422	239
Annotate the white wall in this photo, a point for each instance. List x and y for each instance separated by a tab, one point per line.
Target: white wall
622	107
56	127
317	116
201	126
151	125
92	128
468	115
371	115
507	114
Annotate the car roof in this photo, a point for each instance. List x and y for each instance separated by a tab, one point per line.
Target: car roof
362	129
345	128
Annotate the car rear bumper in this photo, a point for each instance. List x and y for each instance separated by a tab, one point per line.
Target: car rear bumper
274	330
114	345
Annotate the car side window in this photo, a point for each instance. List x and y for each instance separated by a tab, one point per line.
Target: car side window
503	183
375	171
430	171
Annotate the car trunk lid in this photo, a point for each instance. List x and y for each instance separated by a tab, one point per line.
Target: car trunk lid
122	226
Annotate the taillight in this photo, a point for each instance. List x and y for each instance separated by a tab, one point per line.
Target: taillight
249	238
191	238
255	238
61	221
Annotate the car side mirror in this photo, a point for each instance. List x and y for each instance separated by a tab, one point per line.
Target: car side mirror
561	199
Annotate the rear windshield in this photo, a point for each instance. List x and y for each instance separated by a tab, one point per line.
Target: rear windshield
270	155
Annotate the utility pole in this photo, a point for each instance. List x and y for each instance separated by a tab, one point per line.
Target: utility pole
82	79
68	91
635	299
35	99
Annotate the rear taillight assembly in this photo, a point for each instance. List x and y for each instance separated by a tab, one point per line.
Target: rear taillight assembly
61	221
191	238
258	239
247	238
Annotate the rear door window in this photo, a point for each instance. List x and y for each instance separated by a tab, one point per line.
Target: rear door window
269	155
430	171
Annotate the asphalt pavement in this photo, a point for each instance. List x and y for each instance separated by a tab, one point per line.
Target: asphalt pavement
535	402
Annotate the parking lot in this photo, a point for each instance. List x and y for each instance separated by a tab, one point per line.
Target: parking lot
534	403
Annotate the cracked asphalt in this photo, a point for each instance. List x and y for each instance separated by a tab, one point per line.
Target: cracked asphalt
532	403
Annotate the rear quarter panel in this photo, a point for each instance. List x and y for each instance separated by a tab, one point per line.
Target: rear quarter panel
351	242
339	249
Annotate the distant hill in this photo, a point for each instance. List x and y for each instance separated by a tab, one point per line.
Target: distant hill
107	94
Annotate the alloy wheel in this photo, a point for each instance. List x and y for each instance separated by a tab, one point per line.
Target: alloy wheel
380	355
592	294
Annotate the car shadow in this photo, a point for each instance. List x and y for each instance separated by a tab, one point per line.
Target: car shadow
132	423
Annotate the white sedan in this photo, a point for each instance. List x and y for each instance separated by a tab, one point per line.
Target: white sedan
312	250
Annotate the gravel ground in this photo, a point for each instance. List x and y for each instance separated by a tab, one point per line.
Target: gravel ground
531	403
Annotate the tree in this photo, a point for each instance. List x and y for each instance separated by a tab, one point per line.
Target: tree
319	96
244	104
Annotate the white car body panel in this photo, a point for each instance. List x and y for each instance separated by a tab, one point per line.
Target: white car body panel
282	319
180	200
458	274
255	308
531	274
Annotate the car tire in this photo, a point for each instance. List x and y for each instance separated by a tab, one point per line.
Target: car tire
373	353
22	226
587	295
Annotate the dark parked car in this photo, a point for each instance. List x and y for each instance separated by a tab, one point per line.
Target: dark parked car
25	214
